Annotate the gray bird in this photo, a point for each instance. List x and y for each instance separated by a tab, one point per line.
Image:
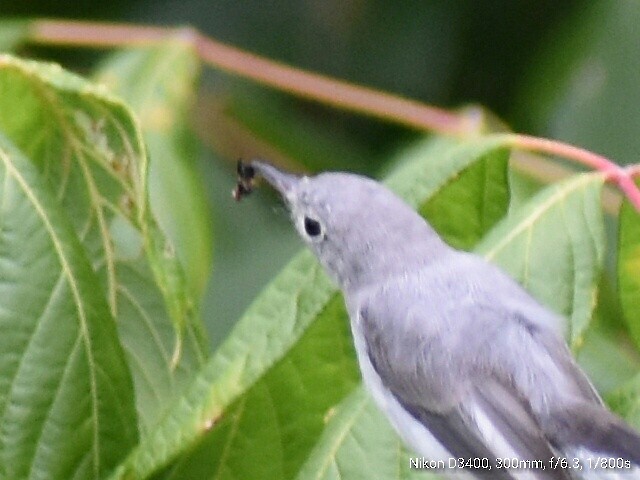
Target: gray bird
460	358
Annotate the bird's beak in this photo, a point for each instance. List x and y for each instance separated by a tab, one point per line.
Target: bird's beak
284	183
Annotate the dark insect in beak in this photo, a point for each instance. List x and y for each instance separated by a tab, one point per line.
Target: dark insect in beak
246	175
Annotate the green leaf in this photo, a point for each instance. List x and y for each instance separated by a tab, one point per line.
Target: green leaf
607	359
88	148
149	337
354	430
159	85
268	330
66	395
626	401
12	33
629	267
554	247
277	421
467	208
267	338
462	192
523	186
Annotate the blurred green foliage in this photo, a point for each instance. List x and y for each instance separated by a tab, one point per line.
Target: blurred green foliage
442	52
567	70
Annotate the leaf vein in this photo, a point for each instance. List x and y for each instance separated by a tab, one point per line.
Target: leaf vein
77	298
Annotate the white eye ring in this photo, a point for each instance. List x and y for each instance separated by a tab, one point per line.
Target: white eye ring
313	228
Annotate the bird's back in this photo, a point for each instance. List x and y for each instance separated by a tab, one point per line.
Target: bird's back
460	343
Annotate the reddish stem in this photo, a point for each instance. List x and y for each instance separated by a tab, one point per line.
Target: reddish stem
613	172
319	88
312	86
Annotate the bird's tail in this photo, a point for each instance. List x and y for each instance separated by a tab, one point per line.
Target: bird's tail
595	439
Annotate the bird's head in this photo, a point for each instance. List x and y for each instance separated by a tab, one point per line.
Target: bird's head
358	229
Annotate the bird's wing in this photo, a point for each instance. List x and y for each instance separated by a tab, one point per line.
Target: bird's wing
491	424
472	416
559	353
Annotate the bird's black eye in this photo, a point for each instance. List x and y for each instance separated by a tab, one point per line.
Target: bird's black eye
312	227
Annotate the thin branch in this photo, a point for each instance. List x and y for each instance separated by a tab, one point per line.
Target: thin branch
96	34
319	88
630	189
613	172
565	150
545	170
233	60
633	170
